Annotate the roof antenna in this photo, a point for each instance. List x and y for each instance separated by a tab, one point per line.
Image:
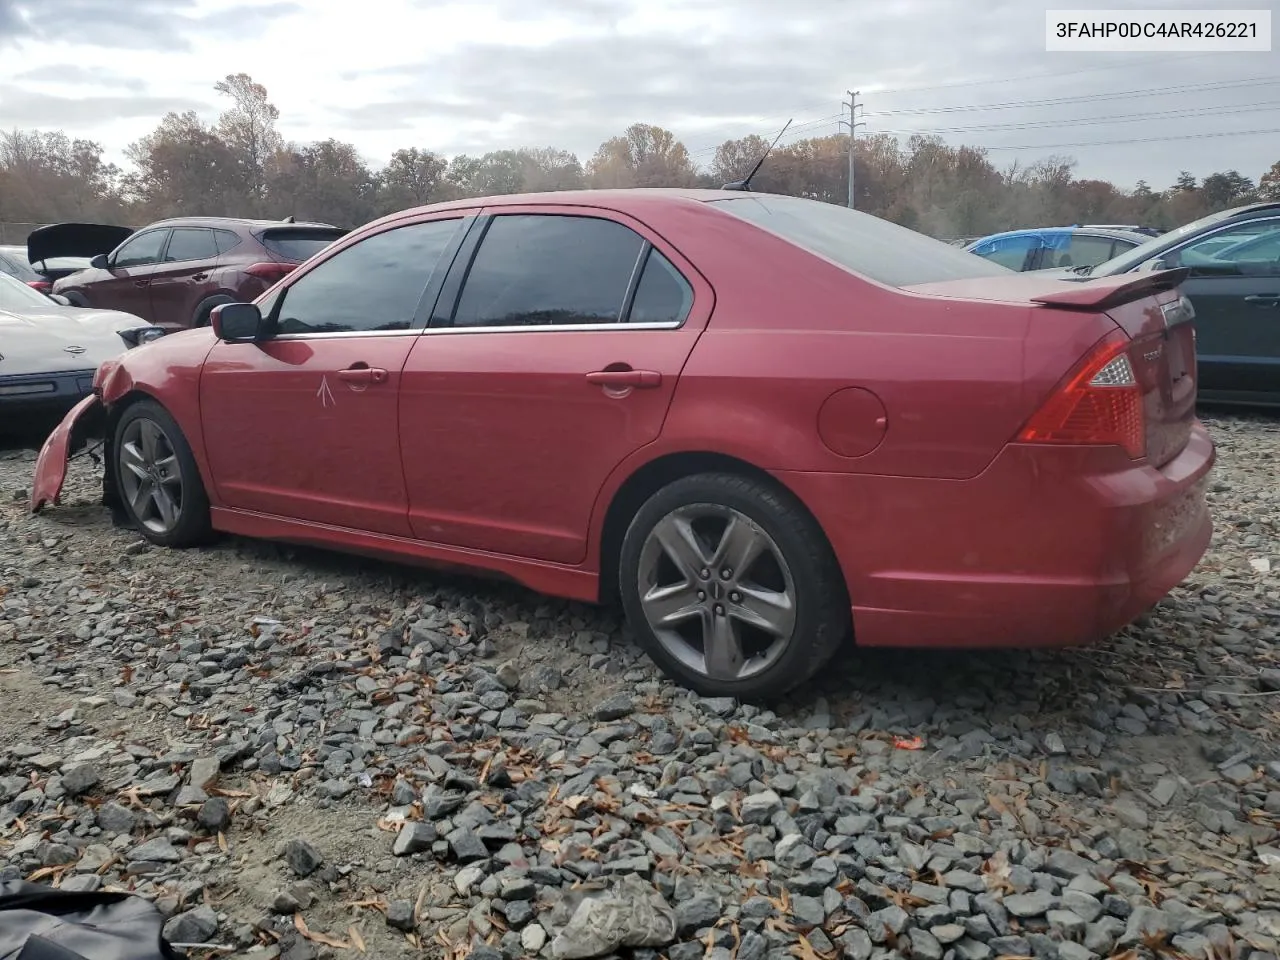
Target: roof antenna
745	184
288	219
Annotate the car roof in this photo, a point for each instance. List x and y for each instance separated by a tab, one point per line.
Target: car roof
233	221
1111	232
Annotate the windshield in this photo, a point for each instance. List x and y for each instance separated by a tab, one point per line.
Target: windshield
1131	258
866	245
17	297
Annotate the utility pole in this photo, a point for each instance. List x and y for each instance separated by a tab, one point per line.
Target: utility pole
854	123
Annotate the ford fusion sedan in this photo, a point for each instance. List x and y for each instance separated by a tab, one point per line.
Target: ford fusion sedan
768	426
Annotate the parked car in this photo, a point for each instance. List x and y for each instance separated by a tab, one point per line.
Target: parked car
1233	283
1043	248
40	275
49	352
174	272
761	422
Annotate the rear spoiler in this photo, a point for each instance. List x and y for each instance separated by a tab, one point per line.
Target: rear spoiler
1105	293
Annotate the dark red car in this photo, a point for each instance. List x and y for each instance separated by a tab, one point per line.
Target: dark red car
172	273
764	423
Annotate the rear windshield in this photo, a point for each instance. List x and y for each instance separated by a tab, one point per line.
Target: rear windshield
300	243
866	245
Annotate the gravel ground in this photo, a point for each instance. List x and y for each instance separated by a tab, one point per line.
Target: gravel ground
301	754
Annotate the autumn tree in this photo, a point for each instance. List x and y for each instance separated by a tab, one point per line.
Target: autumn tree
184	166
1269	183
325	181
248	129
413	177
644	156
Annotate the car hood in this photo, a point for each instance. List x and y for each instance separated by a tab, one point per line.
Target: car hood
61	338
74	240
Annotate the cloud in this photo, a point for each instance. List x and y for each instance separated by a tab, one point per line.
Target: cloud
74	74
24	108
135	25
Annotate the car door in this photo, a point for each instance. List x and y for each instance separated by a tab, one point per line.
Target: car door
1234	287
305	425
126	284
553	362
183	276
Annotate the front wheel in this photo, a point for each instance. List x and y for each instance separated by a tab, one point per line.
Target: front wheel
731	587
157	478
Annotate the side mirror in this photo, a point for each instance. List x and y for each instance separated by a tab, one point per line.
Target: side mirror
59	298
100	262
238	323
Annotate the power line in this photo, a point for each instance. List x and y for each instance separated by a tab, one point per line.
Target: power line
1084	98
1264	106
1108	143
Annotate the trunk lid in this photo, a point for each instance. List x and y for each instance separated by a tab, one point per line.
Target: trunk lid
74	240
1159	321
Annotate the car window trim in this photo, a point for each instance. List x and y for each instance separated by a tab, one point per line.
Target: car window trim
1177	247
446	306
208	231
164	246
429	294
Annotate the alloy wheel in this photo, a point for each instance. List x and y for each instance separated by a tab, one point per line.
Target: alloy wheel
150	475
717	591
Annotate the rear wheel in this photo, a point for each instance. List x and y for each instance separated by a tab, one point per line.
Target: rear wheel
731	587
158	481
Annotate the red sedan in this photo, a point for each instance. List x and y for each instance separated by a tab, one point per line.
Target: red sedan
764	424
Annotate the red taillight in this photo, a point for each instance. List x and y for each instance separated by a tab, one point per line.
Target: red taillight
270	272
44	286
1100	403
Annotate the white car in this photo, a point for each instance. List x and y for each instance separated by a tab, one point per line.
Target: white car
49	351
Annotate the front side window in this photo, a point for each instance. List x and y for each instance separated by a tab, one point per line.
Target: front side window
141	250
376	284
544	269
1248	249
190	243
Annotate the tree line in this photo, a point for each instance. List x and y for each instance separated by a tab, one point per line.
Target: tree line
241	165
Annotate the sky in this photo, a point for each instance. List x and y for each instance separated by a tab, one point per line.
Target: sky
482	75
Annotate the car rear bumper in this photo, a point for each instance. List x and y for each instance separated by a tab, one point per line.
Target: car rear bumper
1049	547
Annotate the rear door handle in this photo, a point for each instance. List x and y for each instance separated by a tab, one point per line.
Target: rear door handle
644	379
363	375
1263	299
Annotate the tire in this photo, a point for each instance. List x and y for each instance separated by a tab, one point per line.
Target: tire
205	307
148	447
793	560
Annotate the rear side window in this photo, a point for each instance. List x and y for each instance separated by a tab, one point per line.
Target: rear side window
188	243
299	244
1011	252
663	294
863	244
226	239
544	269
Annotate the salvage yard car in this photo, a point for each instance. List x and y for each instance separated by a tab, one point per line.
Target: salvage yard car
174	272
763	423
1232	261
49	352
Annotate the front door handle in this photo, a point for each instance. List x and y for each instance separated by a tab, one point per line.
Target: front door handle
644	379
363	375
1263	299
200	277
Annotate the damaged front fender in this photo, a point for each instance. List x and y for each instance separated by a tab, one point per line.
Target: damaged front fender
51	464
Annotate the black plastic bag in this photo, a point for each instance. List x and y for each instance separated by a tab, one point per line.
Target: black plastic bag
41	923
